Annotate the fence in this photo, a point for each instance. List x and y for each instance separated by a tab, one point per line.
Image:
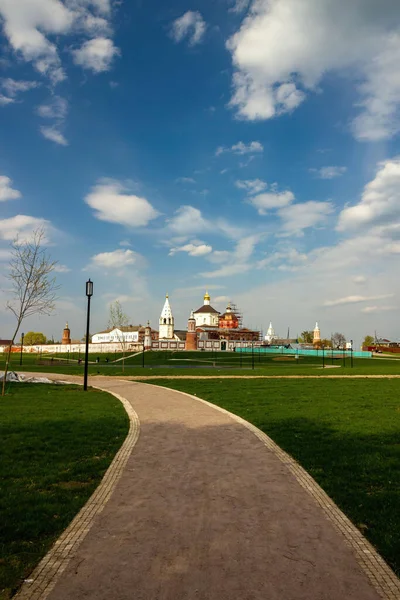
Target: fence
328	352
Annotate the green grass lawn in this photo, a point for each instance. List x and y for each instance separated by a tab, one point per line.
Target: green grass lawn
56	442
345	433
205	364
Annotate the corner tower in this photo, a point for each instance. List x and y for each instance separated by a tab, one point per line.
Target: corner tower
166	322
66	336
191	336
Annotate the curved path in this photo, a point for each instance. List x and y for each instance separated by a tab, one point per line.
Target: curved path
208	508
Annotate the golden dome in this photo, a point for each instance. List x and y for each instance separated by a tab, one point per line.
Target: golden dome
207	296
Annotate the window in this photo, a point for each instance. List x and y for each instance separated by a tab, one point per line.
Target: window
165	321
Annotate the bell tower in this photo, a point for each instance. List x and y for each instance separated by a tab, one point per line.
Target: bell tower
66	336
166	322
191	336
316	335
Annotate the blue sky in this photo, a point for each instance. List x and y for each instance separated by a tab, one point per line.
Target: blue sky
250	148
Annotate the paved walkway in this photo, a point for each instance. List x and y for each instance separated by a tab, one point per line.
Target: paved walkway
208	508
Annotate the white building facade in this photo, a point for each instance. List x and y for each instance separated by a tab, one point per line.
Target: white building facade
125	334
206	315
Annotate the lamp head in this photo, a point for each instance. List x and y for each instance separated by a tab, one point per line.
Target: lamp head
89	288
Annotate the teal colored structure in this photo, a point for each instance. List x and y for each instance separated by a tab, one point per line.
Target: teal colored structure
306	352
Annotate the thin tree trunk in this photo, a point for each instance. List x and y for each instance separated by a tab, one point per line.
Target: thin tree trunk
3	389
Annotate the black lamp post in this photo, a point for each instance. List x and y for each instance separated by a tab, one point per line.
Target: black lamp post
252	354
89	294
351	353
323	356
22	347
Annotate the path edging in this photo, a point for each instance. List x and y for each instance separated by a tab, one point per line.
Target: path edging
45	576
381	576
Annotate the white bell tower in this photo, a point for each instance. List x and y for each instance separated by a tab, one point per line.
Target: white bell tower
316	334
166	322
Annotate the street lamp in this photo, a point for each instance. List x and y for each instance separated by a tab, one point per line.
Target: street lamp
22	347
89	294
323	356
351	353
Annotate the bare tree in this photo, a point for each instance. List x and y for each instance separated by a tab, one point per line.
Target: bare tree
33	288
119	320
338	340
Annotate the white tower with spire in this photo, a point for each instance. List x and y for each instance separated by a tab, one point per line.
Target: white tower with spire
270	336
316	334
166	322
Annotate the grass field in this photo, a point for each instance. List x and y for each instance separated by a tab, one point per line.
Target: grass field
345	433
206	363
56	443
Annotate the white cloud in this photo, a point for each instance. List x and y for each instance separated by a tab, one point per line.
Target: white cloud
4	100
239	6
355	299
118	259
96	54
21	226
271	200
241	148
55	108
378	309
191	25
380	201
61	269
35	27
252	186
284	260
236	262
185	180
279	58
6	191
13	87
111	203
188	220
297	217
329	172
54	135
195	248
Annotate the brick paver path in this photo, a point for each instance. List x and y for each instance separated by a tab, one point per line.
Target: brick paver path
204	510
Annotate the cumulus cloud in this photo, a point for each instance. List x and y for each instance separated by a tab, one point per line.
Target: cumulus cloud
279	58
380	201
297	217
329	172
96	54
34	27
112	203
252	186
194	248
54	135
118	259
55	108
188	220
61	268
271	200
355	299
236	261
21	226
191	25
13	87
241	148
7	192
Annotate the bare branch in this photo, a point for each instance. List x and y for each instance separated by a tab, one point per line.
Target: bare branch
33	289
